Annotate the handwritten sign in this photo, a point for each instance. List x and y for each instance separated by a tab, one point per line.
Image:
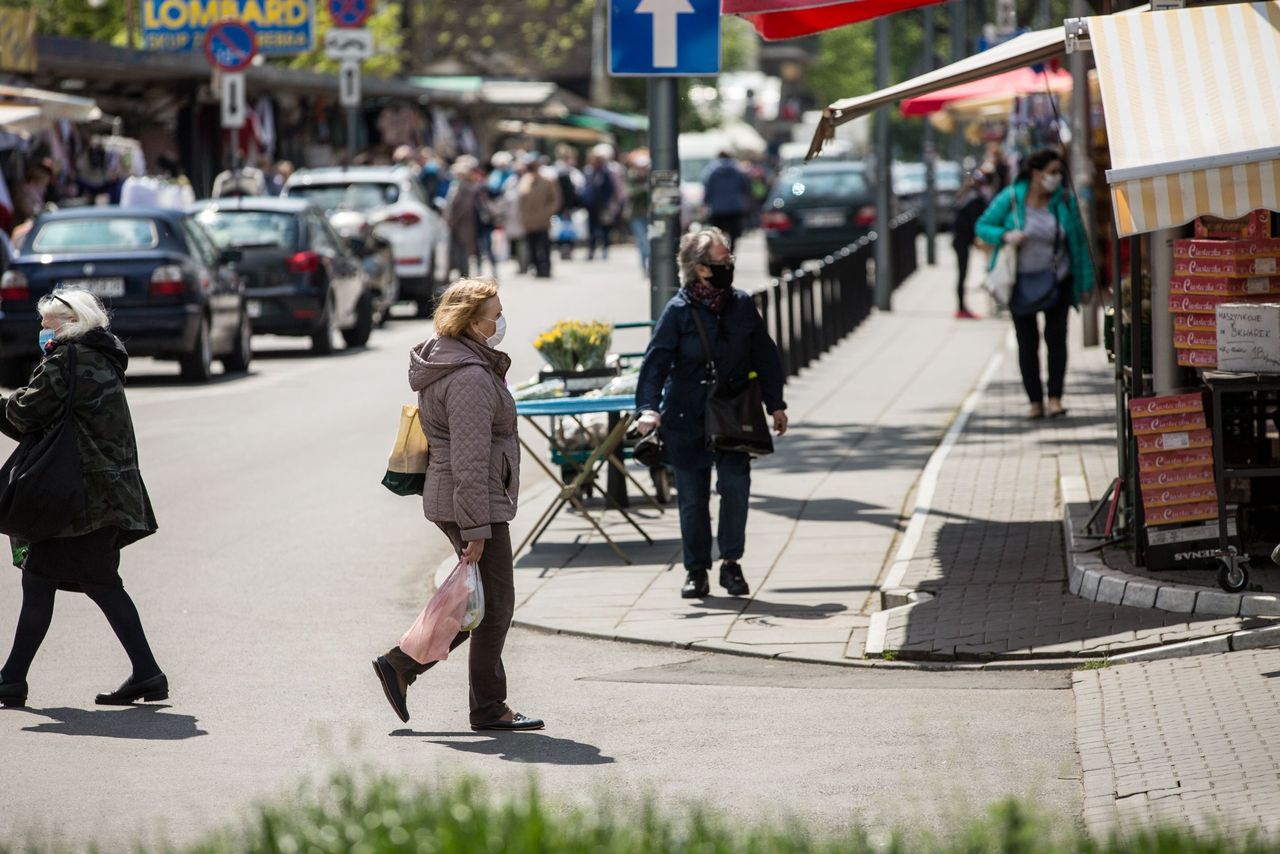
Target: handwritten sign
17	39
1249	337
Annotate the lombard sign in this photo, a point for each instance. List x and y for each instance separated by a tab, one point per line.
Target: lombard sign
281	26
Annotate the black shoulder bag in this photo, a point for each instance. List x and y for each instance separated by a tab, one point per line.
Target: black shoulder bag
735	415
42	483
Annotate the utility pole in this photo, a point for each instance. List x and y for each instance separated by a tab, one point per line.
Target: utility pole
930	157
600	83
884	175
664	191
1082	166
959	50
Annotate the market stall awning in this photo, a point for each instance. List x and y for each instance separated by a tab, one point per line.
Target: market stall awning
1192	111
1027	49
52	105
789	19
538	130
20	118
1021	81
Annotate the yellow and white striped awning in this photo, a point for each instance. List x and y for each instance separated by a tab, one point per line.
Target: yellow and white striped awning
1192	101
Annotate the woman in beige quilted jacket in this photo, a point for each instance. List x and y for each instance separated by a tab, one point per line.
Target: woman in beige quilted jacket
472	485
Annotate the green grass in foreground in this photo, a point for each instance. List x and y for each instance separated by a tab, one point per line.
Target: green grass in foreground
383	816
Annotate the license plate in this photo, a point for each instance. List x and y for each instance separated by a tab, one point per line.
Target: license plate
824	219
113	287
253	308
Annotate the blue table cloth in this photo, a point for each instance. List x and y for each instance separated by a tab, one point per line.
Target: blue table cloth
577	405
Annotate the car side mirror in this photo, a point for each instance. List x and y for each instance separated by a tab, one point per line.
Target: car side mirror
230	256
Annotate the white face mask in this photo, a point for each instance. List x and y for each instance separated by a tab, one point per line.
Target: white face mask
1050	183
496	338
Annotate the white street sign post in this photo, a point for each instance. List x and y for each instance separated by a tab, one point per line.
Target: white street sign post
349	84
233	100
347	45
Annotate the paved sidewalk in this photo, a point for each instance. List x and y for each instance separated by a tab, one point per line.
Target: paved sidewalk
829	510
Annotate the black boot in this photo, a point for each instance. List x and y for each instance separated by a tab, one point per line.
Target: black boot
731	579
696	585
13	694
152	689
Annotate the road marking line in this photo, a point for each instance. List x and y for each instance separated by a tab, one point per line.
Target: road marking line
929	478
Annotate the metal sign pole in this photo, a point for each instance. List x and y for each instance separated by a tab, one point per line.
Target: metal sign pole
884	175
930	157
664	191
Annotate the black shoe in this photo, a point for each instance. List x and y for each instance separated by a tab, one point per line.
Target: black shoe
13	694
731	579
696	585
391	687
155	688
518	723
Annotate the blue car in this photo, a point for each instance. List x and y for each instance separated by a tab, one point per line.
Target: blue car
171	292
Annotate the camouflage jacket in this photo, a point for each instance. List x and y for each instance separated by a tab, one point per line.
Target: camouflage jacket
108	450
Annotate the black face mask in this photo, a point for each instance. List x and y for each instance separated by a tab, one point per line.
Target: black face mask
721	276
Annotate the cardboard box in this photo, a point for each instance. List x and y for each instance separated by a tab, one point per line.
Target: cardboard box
1166	404
1230	267
1196	322
1249	337
1187	547
1255	224
1157	479
1191	493
1226	248
1183	441
1178	422
1177	514
1225	285
1207	303
1172	460
1202	359
1196	339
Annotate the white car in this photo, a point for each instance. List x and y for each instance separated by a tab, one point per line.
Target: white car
394	201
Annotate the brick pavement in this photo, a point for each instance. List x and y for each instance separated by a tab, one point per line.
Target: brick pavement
1190	741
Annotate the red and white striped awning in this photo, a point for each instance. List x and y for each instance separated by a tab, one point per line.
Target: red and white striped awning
1192	101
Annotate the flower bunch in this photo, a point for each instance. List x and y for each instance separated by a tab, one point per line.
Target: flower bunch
557	348
575	345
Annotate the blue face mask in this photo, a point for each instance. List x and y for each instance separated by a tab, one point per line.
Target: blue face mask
46	335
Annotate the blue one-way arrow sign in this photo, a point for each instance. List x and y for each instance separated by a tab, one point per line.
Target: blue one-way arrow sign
664	38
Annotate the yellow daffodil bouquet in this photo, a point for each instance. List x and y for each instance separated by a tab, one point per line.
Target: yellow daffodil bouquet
573	345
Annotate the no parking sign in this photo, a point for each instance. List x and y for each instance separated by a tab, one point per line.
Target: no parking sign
350	13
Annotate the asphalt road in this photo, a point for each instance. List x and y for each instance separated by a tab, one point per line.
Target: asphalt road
282	567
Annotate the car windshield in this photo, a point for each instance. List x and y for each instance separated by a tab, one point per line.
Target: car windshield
355	196
251	228
78	235
823	184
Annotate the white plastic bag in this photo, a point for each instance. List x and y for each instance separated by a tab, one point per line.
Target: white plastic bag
1000	279
456	606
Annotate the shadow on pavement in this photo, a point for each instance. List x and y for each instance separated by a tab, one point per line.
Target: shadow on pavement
827	510
817	447
760	609
148	723
526	747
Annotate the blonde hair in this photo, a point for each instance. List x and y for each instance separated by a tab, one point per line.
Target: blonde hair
461	304
79	310
695	249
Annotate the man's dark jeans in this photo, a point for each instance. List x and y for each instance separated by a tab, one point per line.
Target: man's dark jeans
693	494
488	677
540	252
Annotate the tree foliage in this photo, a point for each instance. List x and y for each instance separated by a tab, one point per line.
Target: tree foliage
387	41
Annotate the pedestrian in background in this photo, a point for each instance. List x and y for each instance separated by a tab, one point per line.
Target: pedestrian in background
637	210
970	203
85	556
540	198
472	486
571	182
460	215
507	213
671	396
599	193
726	191
1037	217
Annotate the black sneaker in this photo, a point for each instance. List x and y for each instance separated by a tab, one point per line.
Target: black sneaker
731	579
696	585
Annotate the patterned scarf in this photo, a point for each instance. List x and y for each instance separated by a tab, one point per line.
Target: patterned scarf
704	293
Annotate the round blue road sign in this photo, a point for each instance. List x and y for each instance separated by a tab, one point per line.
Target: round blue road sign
230	46
350	13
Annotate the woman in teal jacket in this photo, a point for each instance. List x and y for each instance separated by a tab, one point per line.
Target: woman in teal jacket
1037	218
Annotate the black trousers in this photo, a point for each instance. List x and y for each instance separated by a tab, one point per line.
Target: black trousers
962	261
730	224
540	252
487	675
1027	330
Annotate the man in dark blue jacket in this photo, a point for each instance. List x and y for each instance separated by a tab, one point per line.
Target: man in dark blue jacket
726	191
671	397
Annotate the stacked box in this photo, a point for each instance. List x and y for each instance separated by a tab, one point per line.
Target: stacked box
1175	459
1234	262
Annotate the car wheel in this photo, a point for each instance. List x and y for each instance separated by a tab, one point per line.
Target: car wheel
15	373
322	339
237	362
358	335
197	366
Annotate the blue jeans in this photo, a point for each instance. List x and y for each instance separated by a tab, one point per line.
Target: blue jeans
640	231
693	494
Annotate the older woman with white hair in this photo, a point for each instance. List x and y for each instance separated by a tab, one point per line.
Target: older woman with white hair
85	555
671	396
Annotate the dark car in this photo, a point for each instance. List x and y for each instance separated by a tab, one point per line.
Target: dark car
909	180
816	209
300	276
171	292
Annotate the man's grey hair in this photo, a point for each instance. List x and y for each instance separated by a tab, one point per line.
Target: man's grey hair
695	249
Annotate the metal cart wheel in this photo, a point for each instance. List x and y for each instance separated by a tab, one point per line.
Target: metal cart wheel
1233	574
661	484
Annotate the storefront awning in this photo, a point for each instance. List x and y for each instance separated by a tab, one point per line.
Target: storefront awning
1192	111
789	19
1026	49
1021	81
52	105
20	118
566	133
